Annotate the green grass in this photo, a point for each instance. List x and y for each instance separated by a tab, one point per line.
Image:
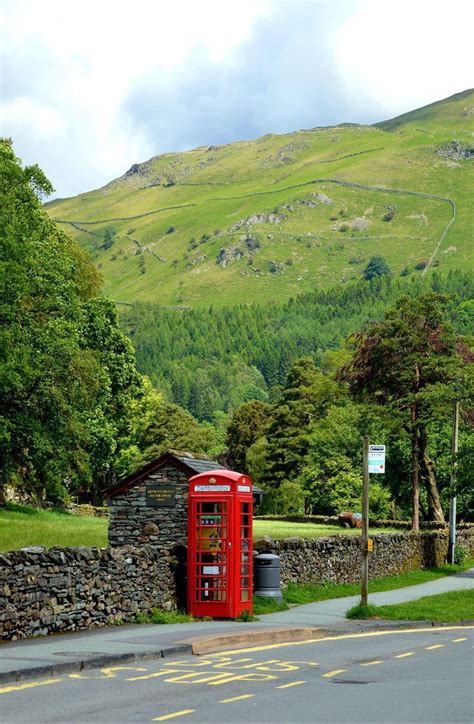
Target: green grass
22	526
296	594
451	606
283	529
215	188
359	611
163	617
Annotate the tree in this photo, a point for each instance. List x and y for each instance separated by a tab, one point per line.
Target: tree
303	400
67	372
155	426
376	267
110	232
404	362
247	425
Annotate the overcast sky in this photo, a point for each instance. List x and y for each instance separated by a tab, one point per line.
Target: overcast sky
89	87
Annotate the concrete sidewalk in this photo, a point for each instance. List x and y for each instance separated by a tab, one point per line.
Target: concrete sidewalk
328	613
115	645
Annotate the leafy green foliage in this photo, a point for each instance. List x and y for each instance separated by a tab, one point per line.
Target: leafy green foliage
154	426
376	267
67	371
410	364
216	359
245	428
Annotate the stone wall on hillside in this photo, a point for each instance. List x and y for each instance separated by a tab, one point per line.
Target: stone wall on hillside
337	559
44	591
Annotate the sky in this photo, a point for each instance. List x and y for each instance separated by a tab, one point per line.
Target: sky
89	87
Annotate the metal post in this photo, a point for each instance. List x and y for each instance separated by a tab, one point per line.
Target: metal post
364	593
452	502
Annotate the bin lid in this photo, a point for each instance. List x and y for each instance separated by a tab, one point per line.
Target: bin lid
266	557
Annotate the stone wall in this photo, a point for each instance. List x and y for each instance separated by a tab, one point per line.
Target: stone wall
65	589
337	559
132	522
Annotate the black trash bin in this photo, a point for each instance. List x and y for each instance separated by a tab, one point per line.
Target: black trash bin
266	577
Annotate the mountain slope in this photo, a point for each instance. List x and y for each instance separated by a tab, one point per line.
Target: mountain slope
270	218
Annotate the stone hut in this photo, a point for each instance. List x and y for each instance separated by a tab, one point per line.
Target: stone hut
151	505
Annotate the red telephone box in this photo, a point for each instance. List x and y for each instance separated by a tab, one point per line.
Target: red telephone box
220	544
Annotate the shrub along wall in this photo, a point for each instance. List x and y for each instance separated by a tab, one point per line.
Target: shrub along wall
337	559
64	589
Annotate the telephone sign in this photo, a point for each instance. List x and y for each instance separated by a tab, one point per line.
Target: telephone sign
376	459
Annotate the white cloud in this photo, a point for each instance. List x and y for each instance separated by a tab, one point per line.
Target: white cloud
401	55
90	87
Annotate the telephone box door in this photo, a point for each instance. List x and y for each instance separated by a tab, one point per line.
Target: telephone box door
211	550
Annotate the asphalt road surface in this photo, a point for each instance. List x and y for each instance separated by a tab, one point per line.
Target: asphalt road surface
399	676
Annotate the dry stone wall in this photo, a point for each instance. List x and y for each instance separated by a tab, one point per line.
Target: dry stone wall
337	559
65	589
44	591
133	522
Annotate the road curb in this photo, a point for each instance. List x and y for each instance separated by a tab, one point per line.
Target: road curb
92	662
209	644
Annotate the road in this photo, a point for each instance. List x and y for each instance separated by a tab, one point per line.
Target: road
399	676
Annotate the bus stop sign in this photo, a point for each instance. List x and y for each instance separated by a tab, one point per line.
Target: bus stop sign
377	459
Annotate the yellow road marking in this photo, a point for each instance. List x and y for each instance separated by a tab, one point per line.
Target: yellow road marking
292	683
458	641
435	646
372	663
156	674
333	673
30	685
183	677
108	673
243	677
342	637
236	698
172	716
403	656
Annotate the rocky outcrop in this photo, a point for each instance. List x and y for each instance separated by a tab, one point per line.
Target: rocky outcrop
455	151
229	255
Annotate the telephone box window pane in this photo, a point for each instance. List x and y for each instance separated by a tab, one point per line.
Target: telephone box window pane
245	507
245	595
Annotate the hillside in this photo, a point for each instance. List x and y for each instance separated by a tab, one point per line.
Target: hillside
281	215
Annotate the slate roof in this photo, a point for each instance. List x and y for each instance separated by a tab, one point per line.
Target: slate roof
199	465
185	461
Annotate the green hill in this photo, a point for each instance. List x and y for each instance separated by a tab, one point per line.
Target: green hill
280	215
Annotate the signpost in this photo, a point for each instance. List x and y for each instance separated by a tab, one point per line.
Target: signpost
377	459
373	462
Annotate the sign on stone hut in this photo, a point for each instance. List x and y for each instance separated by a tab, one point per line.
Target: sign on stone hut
151	505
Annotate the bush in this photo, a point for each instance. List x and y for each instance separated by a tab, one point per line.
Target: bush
376	267
170	229
290	498
422	264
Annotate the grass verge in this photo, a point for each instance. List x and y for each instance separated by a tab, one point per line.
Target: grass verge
450	606
158	616
308	593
